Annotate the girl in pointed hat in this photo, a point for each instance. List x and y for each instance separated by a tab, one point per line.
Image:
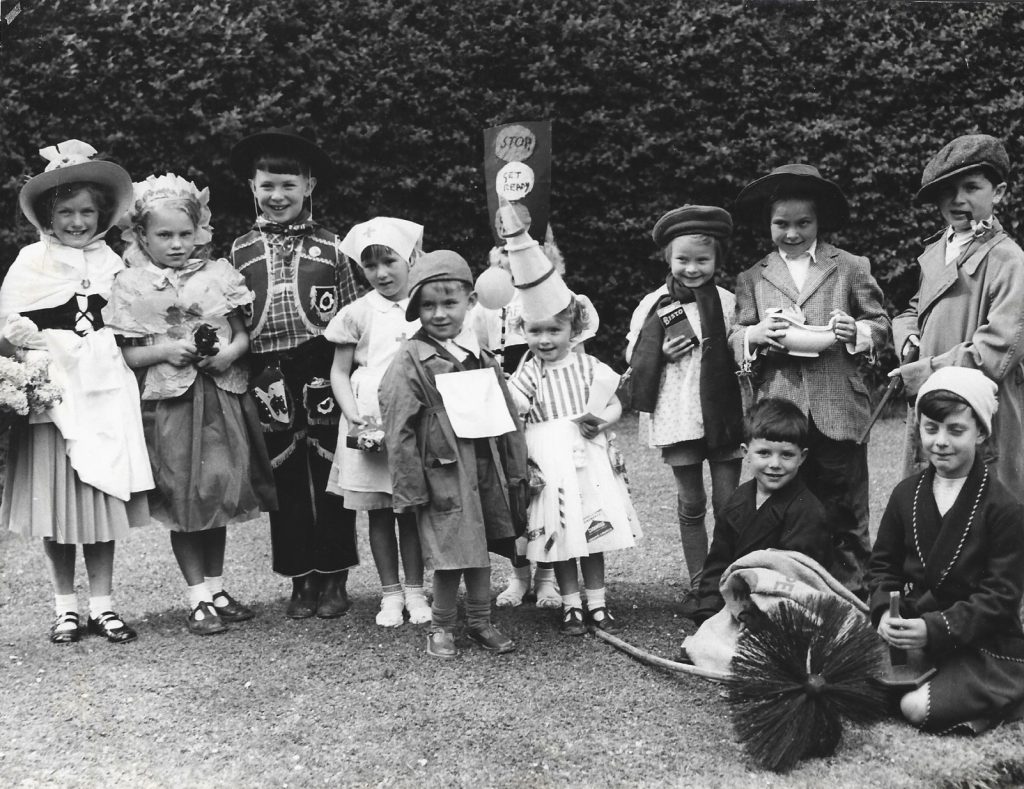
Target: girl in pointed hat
568	403
77	476
178	315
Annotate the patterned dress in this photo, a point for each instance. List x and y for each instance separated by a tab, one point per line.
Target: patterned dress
203	432
584	507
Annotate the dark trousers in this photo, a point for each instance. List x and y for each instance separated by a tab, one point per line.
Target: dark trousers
837	473
311	531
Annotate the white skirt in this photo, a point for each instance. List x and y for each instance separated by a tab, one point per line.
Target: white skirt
584	507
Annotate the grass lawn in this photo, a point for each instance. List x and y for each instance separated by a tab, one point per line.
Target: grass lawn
318	703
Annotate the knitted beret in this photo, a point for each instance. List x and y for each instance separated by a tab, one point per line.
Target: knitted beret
957	157
692	220
972	385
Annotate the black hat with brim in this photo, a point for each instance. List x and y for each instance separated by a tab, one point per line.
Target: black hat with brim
284	142
793	180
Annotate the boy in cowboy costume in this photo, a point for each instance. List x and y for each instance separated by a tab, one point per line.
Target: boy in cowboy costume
825	285
300	279
967	310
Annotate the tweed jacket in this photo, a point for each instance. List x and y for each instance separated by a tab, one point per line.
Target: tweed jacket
829	388
971	314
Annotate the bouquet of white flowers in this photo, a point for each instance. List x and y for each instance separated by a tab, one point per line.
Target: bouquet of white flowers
25	386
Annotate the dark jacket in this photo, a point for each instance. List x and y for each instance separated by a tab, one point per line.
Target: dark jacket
791	519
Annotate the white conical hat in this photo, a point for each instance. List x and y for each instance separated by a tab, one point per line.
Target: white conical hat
543	292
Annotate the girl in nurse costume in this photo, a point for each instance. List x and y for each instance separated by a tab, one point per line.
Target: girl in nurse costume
367	334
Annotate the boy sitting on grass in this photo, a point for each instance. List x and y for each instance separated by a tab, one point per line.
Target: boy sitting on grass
460	488
775	509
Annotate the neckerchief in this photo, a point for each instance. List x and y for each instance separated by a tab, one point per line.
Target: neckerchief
720	403
285	238
302	226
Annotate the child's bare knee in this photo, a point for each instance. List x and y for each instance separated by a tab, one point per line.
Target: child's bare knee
914	705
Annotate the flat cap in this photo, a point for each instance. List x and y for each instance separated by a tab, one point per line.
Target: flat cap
436	266
957	157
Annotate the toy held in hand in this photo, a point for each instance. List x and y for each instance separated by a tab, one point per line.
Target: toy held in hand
205	338
368	437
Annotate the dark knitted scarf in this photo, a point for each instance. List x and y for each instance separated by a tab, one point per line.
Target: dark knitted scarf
720	403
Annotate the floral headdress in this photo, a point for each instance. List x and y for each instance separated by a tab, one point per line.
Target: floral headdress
150	193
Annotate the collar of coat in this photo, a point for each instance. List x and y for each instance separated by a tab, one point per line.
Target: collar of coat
824	264
766	516
939	276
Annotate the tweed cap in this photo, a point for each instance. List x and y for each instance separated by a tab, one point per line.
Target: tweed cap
791	180
436	266
692	220
957	157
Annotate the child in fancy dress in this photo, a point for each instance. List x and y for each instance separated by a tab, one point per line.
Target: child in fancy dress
367	334
807	277
463	479
178	315
951	542
684	375
583	509
967	309
78	475
300	278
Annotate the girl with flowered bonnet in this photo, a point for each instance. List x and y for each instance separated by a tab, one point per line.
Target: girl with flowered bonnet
75	475
177	314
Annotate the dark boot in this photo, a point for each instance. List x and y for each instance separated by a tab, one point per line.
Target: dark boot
334	600
305	593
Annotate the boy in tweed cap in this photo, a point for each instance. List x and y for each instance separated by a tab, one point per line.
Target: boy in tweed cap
968	310
827	286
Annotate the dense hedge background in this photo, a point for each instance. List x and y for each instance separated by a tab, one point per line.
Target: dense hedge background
654	103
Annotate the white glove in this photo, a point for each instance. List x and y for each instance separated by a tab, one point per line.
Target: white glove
22	332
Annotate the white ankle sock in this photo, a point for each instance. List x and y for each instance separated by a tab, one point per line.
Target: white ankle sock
65	603
200	593
595	599
215	585
99	605
572	600
543	575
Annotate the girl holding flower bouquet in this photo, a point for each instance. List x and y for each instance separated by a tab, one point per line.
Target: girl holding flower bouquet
367	334
76	472
178	315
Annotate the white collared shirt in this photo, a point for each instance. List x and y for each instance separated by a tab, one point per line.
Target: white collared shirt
956	241
800	265
463	344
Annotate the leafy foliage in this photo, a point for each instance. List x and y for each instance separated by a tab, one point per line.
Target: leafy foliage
655	103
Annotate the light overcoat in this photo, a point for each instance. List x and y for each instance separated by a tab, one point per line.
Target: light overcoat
436	474
829	387
971	314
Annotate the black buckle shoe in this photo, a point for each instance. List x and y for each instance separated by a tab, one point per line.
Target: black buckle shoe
64	635
112	627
